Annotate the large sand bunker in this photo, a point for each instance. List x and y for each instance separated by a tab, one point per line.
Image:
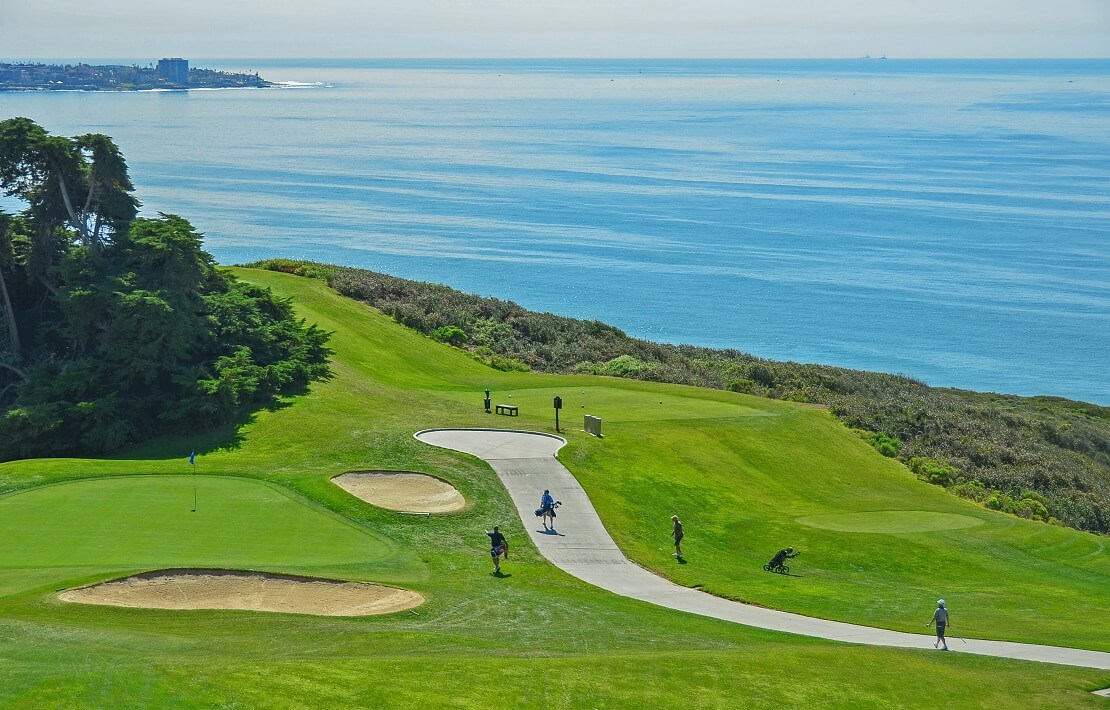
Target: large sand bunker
250	591
402	490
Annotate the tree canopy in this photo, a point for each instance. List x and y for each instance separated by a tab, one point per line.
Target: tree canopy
115	328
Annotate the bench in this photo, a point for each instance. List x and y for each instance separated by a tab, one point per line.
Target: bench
509	409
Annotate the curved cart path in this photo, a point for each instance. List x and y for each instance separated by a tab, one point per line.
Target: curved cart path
526	464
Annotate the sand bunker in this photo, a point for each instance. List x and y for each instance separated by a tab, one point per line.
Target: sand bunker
250	591
402	490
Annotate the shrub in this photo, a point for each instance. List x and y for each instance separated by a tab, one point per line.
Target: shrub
972	490
762	375
1001	502
933	471
886	445
507	364
741	385
1031	509
492	333
626	366
307	269
451	335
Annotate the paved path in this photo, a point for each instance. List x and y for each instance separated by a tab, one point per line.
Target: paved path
526	464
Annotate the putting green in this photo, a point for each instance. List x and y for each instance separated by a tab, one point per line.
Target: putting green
891	521
147	521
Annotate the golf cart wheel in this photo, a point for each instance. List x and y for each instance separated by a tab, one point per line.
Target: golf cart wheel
784	570
766	568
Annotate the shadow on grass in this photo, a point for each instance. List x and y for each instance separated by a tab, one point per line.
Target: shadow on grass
223	438
500	575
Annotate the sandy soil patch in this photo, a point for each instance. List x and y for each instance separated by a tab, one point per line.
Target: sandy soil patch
250	591
402	490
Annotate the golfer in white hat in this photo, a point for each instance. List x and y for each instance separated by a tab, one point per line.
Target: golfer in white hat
940	618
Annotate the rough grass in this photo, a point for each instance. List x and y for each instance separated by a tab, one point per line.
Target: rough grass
1008	447
537	636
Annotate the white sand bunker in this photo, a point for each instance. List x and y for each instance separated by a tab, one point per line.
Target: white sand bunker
250	591
404	491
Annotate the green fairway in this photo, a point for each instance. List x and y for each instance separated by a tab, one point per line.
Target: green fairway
878	546
747	476
891	522
616	404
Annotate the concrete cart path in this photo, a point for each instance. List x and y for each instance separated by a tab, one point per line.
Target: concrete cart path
525	462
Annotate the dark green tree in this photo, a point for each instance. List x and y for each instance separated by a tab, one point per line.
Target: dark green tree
77	190
115	328
9	330
81	181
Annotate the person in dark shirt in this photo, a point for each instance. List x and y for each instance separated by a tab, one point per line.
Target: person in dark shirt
498	546
678	533
782	556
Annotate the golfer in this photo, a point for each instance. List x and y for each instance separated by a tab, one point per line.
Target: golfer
546	501
940	618
498	546
677	534
546	510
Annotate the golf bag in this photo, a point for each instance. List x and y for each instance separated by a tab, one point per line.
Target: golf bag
549	511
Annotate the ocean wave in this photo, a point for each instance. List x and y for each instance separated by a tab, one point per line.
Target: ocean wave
301	84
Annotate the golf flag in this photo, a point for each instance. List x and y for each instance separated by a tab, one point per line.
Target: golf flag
193	457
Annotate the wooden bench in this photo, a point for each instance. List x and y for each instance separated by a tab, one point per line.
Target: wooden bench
510	409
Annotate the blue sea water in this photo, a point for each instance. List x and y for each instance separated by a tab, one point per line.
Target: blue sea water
948	220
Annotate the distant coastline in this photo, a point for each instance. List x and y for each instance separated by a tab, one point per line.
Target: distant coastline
173	74
714	195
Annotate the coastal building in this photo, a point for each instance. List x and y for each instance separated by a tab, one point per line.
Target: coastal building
169	73
174	70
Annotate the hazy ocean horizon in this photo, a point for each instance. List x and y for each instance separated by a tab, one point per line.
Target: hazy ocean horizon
943	219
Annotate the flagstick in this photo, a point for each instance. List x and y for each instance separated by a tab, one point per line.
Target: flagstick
192	462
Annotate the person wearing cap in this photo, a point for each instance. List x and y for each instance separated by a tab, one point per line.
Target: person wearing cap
677	534
940	618
782	556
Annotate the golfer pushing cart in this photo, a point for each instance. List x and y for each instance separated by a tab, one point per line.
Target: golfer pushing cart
778	562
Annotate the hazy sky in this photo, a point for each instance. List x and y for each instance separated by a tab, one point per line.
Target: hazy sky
32	29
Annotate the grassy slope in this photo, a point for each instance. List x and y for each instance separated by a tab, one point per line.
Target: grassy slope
476	640
741	486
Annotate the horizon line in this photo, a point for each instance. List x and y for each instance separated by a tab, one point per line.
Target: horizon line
882	57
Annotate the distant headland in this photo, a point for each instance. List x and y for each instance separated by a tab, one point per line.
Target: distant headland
171	73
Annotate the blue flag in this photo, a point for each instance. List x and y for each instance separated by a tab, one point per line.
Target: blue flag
193	457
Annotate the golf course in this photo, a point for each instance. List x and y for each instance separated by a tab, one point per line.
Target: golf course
281	496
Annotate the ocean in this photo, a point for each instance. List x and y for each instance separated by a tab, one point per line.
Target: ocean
947	220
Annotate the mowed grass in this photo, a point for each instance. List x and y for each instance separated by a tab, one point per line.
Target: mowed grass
878	546
149	522
537	636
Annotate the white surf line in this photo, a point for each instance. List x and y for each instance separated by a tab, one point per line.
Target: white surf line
526	464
